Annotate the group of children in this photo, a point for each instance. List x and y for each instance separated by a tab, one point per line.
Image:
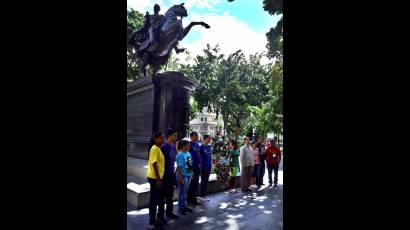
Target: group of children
193	161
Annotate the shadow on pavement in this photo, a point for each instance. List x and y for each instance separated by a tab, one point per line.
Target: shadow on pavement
260	209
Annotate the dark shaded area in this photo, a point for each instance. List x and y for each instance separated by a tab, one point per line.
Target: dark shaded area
260	209
156	103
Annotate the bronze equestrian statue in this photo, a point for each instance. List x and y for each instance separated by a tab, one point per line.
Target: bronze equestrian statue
159	35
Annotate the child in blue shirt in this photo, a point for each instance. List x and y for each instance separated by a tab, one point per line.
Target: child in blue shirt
184	174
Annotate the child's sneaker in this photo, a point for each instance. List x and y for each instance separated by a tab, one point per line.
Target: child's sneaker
187	209
183	212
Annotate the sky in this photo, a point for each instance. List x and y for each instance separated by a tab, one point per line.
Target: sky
241	24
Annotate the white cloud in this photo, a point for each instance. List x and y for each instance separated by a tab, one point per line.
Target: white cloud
226	30
230	33
147	5
200	4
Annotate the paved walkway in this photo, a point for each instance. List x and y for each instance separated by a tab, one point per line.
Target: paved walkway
260	209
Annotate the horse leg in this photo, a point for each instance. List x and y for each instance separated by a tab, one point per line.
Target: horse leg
156	65
144	62
188	28
155	68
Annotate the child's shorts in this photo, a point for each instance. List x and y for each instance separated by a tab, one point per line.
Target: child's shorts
234	171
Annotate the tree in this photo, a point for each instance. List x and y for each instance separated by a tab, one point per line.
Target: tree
249	89
275	50
277	93
268	117
228	85
247	94
273	6
275	41
135	20
275	35
193	108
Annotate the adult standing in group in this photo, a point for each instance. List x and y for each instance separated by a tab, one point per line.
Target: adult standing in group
273	158
205	151
183	175
155	173
196	159
256	165
262	158
170	152
246	158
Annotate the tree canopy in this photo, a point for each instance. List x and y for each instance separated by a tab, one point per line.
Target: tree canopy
135	20
230	86
247	94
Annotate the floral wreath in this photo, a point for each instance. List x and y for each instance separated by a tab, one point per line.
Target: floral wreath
221	161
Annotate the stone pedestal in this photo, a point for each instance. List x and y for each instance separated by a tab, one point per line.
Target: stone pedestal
156	104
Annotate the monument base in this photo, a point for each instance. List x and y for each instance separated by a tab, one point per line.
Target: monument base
156	104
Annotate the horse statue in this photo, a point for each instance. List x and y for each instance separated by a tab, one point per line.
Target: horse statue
159	35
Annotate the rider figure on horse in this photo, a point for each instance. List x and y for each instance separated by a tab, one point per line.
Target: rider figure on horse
149	33
155	22
159	35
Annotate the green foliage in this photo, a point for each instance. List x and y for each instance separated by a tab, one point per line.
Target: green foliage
135	20
275	34
229	85
193	108
273	6
268	117
247	94
275	41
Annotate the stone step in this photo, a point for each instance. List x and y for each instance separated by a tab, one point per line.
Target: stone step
137	168
138	191
136	180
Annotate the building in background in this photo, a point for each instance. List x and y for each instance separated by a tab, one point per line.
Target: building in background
205	123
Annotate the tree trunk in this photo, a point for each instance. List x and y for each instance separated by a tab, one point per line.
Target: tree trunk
226	128
238	128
